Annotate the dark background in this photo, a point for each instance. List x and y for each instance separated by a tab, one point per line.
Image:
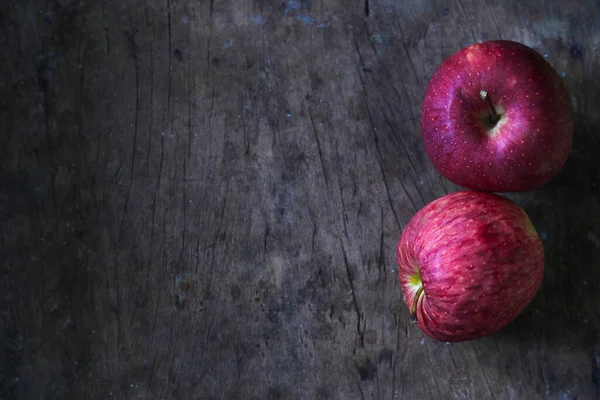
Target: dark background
201	199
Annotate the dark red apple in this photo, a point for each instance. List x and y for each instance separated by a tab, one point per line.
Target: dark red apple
497	117
469	264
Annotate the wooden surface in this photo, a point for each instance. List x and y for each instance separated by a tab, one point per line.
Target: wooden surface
201	200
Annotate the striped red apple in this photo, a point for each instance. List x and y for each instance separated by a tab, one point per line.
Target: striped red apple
470	262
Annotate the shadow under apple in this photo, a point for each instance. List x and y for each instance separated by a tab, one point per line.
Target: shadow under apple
566	213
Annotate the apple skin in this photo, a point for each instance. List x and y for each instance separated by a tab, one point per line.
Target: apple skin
531	141
478	259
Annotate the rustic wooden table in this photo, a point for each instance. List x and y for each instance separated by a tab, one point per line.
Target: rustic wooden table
201	200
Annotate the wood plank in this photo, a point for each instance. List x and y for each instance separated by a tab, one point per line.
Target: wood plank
202	200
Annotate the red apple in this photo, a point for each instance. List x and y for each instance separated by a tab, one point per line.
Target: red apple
469	264
497	117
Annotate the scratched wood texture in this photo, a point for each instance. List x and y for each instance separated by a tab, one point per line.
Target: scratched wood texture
201	200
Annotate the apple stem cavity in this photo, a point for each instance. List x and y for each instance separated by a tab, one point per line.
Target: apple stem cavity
493	114
413	309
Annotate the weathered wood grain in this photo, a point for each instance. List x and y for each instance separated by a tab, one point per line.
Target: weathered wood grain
201	199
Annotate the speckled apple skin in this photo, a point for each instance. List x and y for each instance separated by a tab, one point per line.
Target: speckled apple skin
531	141
481	263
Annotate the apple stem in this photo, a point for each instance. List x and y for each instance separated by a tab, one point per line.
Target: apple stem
493	115
413	309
